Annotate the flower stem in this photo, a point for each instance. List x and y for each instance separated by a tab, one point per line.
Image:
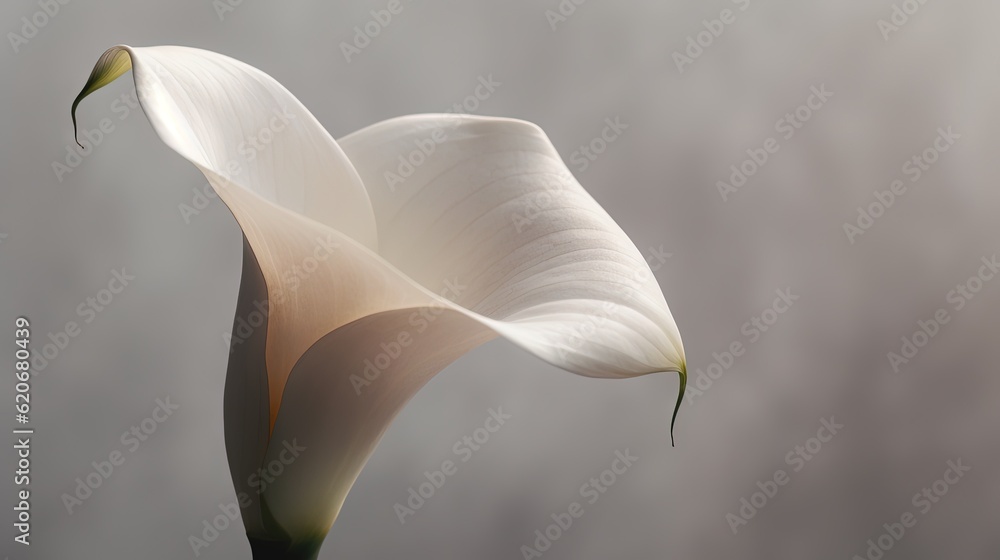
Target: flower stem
285	550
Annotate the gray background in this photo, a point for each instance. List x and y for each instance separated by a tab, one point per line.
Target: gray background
827	355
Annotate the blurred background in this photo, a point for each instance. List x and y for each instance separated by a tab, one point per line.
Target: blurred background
843	99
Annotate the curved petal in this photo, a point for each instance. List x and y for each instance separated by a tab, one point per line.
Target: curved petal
341	398
558	278
260	148
490	202
231	118
246	408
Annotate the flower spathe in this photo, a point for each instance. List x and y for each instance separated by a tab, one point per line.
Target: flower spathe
352	246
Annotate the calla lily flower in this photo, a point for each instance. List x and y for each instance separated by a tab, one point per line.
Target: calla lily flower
375	261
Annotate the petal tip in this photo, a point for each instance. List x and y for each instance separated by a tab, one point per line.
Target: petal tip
112	64
682	373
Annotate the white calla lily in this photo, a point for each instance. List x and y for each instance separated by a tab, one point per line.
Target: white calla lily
352	251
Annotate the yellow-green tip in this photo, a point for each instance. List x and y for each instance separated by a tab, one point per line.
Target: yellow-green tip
113	63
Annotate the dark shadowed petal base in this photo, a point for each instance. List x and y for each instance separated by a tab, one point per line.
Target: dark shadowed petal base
285	550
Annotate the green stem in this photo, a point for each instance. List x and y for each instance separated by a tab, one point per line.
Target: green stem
285	550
